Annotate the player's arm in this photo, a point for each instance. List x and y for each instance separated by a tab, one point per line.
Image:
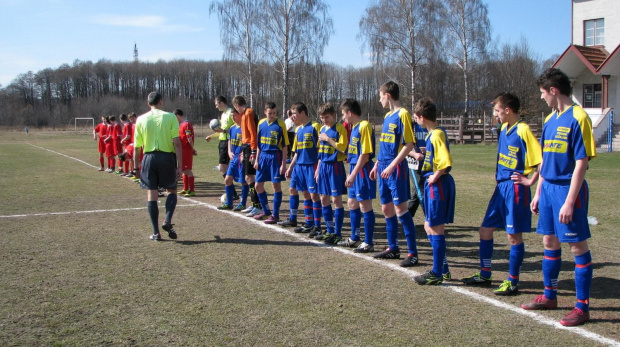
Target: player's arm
361	161
289	171
400	157
178	150
534	203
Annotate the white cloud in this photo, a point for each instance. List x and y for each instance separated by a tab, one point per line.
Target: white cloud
142	21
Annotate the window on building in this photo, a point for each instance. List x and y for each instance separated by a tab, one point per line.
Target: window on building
594	32
592	95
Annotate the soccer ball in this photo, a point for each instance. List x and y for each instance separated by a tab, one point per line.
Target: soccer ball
214	124
223	198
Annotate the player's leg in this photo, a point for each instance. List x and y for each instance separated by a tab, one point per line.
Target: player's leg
517	252
583	282
552	261
277	203
438	242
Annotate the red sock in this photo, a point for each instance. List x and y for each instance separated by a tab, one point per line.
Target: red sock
120	165
184	182
191	184
101	161
110	163
126	166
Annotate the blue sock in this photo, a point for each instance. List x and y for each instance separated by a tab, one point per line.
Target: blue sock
264	202
293	204
516	260
230	191
245	190
339	219
369	227
356	217
328	216
308	212
407	221
171	204
391	229
583	280
551	264
486	257
446	267
153	209
439	253
317	213
277	202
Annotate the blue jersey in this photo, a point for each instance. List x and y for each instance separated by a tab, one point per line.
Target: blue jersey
396	132
437	152
517	151
329	154
566	138
362	142
271	136
420	133
235	139
306	143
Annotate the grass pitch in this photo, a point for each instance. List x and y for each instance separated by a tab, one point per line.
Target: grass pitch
92	277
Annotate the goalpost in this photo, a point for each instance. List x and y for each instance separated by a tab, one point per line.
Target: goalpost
87	120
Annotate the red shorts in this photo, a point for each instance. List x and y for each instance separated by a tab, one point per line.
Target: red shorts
118	147
109	149
101	146
188	159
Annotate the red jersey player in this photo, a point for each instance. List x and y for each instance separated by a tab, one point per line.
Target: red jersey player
186	135
99	132
127	139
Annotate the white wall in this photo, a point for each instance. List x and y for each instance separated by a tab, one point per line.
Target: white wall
595	9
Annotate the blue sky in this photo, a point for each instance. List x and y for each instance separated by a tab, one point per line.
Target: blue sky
48	33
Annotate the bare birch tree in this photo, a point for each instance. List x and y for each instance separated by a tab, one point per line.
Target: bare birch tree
468	31
239	24
294	31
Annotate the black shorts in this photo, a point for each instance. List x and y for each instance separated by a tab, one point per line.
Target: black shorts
248	167
223	148
158	170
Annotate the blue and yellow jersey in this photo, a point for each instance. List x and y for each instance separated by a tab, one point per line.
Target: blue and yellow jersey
362	142
272	136
329	154
306	143
566	138
235	139
517	151
396	132
437	152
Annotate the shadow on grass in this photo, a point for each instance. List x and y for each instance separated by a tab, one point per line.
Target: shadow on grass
255	242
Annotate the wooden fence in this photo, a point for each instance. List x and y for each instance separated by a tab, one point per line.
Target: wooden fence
481	129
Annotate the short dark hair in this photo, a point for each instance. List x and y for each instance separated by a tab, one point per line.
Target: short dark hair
178	112
154	98
239	100
508	100
426	108
299	107
112	118
351	105
123	117
107	119
132	115
270	105
557	79
327	108
391	88
221	98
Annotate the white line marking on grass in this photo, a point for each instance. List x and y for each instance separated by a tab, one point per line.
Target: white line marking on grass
64	155
409	273
84	212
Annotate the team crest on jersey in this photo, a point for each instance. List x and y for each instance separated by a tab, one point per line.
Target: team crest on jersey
562	133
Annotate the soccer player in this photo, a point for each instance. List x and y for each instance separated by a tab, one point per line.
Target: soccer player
109	144
361	188
391	169
561	197
439	190
128	140
330	173
99	132
235	168
270	164
186	136
302	170
157	132
249	123
117	131
518	156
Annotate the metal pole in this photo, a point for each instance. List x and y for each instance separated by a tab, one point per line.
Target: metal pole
610	133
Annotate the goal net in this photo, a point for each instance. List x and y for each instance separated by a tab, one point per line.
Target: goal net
84	124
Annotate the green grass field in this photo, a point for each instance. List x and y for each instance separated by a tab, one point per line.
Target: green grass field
79	268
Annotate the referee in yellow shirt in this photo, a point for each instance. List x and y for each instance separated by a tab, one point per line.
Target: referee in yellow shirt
157	134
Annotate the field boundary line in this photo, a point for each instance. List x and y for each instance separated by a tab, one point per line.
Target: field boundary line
64	155
409	273
84	212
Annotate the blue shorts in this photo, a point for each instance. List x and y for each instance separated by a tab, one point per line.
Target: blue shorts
158	170
509	208
395	188
363	187
331	179
269	164
439	201
235	169
550	201
302	178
